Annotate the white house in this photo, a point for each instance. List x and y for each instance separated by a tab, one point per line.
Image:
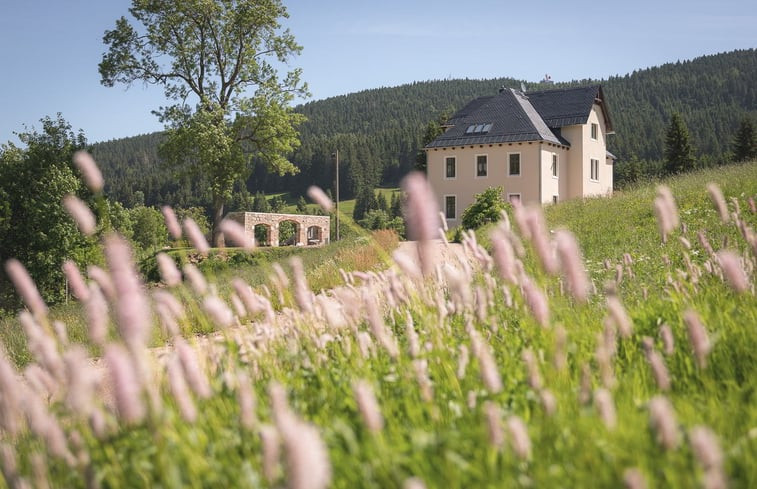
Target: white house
540	147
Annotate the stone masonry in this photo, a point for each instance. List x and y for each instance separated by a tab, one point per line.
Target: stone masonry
309	230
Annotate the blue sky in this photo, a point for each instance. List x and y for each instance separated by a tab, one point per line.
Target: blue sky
49	49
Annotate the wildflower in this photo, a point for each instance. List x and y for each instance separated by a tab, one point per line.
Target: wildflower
633	479
534	378
667	339
172	223
196	379
81	381
421	376
606	407
704	444
537	230
26	288
561	355
548	401
218	311
718	201
663	422
421	209
97	315
81	214
308	465
494	423
413	483
462	361
319	197
126	388
89	170
619	316
519	440
572	265
536	300
302	293
732	270
504	255
271	442
237	234
195	236
168	271
179	390
368	406
659	370
489	372
132	307
103	280
75	280
700	341
196	279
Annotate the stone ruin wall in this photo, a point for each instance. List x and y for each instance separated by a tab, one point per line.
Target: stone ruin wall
303	222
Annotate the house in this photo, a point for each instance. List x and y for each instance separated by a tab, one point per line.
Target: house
541	147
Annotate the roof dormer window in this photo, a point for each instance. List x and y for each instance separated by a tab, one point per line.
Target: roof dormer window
478	128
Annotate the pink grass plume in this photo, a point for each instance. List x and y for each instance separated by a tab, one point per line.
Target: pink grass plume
572	265
519	439
92	175
368	406
718	201
132	306
172	223
605	407
493	414
126	387
663	422
81	214
26	288
421	212
236	233
76	281
733	271
698	337
168	271
318	196
196	237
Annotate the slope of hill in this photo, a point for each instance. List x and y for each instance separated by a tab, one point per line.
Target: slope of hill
378	132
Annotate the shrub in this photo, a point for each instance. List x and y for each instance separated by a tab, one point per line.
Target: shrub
487	207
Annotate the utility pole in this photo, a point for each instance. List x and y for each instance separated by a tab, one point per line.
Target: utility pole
336	155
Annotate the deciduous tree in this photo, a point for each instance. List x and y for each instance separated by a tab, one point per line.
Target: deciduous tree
216	60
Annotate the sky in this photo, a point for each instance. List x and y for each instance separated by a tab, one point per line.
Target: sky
50	49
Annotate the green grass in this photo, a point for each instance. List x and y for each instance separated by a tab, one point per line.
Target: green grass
444	440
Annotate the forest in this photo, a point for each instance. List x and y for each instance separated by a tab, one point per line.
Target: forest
379	132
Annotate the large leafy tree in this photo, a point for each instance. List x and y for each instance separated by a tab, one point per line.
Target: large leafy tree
745	141
34	227
216	60
679	153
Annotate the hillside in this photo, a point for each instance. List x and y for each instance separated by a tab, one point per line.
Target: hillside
378	132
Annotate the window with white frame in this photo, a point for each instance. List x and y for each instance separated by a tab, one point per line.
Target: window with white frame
450	164
513	198
594	131
554	165
594	169
450	206
554	199
513	164
482	169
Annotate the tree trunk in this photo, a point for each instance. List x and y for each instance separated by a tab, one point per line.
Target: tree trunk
218	239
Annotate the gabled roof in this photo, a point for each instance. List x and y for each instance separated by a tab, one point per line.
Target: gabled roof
514	116
569	106
512	119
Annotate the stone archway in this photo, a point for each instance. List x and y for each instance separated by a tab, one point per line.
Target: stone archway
262	234
309	230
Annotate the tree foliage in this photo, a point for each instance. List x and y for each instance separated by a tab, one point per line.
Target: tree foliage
34	227
487	207
679	153
745	141
222	54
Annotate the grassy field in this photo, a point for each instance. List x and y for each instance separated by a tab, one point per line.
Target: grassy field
463	378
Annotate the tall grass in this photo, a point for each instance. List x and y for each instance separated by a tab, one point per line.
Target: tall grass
453	379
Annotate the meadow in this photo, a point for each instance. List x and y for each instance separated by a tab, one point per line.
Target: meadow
603	343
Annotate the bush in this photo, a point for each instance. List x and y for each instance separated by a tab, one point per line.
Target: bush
487	208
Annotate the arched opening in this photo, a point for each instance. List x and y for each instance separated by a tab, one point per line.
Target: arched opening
262	235
315	235
289	233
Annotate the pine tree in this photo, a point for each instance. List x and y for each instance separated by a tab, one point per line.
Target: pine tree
260	204
745	141
679	153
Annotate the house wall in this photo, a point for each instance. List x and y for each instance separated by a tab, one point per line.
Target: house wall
466	184
582	150
554	185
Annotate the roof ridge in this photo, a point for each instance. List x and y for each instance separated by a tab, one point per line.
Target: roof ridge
534	117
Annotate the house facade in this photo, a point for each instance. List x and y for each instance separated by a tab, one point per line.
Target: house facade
541	147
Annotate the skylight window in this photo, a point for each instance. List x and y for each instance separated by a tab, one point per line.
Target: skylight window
478	128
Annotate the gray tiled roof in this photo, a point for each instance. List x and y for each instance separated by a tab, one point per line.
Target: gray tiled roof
512	116
535	116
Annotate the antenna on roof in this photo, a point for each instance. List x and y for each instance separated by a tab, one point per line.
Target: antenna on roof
522	87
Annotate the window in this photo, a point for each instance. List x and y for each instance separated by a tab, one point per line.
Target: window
451	165
594	131
594	169
554	165
481	166
514	163
478	128
450	205
513	198
554	199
